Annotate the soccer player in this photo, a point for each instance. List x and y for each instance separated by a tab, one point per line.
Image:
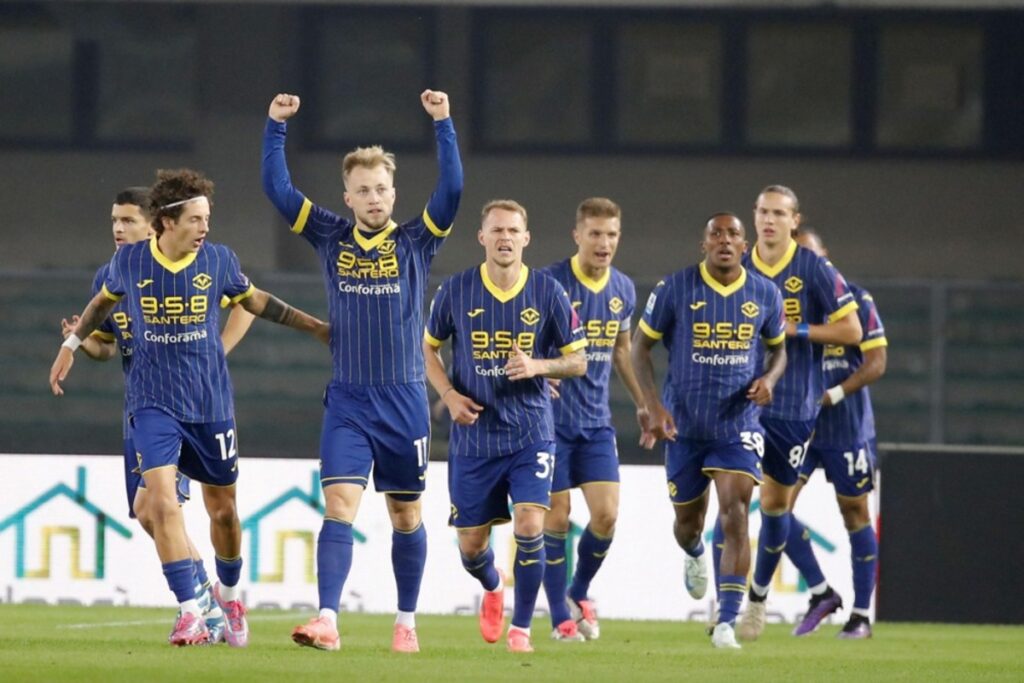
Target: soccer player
710	317
179	392
130	223
499	315
820	309
376	412
586	455
843	447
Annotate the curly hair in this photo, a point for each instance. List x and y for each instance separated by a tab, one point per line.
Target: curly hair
175	186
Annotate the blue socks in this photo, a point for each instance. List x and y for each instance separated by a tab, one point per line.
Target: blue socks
408	556
800	552
717	546
770	544
556	575
529	571
864	556
228	571
179	577
730	597
591	551
333	561
202	580
482	569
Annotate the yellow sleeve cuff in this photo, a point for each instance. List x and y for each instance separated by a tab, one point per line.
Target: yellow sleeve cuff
432	227
433	341
843	312
573	347
775	341
112	297
300	222
244	295
105	336
650	331
873	344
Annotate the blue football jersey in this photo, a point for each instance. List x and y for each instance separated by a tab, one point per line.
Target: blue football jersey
713	332
843	425
483	322
605	309
116	328
376	281
813	292
178	361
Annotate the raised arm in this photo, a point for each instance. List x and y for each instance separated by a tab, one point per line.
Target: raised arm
267	306
94	314
444	202
277	181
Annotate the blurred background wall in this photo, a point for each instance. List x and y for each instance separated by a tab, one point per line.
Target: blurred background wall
898	124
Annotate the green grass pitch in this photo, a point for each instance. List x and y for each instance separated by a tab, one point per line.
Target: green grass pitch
108	644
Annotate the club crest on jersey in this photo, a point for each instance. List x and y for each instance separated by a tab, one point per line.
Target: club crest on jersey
475	312
615	305
530	316
793	284
202	281
386	247
750	309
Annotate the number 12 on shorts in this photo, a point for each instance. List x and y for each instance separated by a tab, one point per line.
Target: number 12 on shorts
227	444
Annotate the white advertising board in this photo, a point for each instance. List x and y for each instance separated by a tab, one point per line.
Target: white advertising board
65	536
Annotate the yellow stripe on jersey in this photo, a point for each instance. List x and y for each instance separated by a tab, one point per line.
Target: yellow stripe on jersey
244	295
573	347
873	344
776	340
772	271
724	290
843	312
368	243
594	286
497	292
112	297
105	336
432	227
173	266
650	331
433	341
300	222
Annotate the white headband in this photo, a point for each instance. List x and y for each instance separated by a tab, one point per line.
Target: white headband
183	201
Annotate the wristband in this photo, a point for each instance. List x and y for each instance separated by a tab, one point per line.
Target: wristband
72	342
446	392
803	330
836	394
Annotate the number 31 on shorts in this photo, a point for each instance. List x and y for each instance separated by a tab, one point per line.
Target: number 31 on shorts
546	461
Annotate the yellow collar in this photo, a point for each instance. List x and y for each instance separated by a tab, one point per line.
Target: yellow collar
173	266
772	271
594	286
724	290
368	243
504	295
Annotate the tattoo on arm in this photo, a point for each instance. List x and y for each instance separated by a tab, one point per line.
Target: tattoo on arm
279	312
93	316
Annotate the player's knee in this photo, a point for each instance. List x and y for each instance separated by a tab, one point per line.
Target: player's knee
528	523
557	518
472	545
404	517
602	522
855	512
224	514
734	519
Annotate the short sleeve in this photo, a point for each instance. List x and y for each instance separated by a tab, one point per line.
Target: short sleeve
659	313
440	325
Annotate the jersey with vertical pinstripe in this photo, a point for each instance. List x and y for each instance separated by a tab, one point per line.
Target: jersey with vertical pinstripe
178	361
482	325
375	282
605	308
813	292
116	328
842	426
712	360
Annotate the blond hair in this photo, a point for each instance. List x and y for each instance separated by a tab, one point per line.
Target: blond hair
597	207
506	205
368	157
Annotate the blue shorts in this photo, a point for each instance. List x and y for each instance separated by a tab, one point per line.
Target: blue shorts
205	451
785	446
133	480
480	487
583	456
385	428
851	470
690	463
